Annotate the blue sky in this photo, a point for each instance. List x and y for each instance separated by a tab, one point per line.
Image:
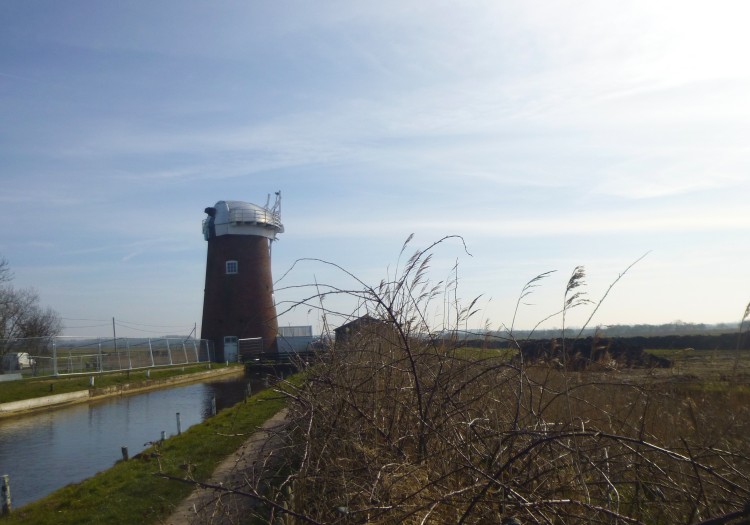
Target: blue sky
547	134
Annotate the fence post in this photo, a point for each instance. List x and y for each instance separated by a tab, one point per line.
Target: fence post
151	351
6	495
169	350
125	455
101	358
127	346
213	406
195	349
179	424
54	359
117	353
184	351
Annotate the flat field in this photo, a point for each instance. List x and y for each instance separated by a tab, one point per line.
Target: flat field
708	366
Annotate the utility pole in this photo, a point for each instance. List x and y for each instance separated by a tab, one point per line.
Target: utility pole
195	325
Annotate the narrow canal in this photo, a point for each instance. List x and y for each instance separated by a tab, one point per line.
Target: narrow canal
45	451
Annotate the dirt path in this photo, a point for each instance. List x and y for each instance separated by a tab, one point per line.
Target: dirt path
208	506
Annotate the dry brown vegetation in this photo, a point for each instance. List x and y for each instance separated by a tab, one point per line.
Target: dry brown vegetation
399	426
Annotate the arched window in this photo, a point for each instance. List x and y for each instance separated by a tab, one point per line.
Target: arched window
231	267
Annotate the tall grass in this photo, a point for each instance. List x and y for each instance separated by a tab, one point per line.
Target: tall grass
398	425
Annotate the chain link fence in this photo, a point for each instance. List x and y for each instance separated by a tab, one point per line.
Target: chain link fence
56	356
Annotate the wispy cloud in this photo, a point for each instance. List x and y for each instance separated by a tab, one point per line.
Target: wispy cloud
512	123
494	225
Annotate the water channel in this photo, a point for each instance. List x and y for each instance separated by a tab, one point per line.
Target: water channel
45	451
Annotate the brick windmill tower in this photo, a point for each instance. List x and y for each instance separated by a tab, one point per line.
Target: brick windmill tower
238	298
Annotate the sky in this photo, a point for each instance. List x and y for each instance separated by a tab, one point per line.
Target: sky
546	134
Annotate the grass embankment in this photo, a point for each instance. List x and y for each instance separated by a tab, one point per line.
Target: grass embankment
30	388
130	492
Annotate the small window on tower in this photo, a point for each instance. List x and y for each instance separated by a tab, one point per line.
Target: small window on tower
231	267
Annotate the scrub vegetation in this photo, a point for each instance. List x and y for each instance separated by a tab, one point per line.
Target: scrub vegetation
397	423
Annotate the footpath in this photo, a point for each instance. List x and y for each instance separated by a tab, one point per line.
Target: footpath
209	506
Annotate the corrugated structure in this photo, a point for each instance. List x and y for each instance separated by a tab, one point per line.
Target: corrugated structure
294	339
238	298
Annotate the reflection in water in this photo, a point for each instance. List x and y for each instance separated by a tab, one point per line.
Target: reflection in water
45	451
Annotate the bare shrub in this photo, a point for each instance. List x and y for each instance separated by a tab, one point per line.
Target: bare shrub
22	317
400	424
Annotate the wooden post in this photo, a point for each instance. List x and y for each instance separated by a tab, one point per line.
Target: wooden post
6	495
163	435
213	406
91	381
179	424
125	455
248	392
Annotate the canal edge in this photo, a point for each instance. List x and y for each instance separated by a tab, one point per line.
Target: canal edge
38	404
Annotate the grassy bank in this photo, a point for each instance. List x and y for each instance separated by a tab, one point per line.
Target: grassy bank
130	492
43	386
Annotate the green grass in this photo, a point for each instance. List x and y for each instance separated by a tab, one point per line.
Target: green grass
687	353
29	388
129	492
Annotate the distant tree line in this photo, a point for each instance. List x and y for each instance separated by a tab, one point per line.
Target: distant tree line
635	330
21	315
698	342
726	341
675	328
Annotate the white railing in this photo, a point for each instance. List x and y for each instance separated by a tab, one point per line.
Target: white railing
56	356
240	216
